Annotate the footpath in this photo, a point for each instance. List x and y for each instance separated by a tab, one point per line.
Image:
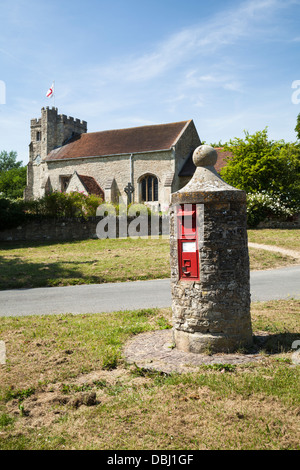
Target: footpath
277	249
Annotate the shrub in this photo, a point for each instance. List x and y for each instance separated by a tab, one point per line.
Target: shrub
262	206
11	213
54	205
69	205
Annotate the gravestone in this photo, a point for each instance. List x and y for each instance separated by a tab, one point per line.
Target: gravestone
209	262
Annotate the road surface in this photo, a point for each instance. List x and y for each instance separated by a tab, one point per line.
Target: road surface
95	298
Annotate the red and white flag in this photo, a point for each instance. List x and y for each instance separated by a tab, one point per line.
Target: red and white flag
50	92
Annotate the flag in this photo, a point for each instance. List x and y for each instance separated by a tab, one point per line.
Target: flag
50	92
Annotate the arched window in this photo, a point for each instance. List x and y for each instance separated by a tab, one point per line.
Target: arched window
149	188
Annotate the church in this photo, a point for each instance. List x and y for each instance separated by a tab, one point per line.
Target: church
141	164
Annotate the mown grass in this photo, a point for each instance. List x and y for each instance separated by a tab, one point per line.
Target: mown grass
284	238
52	360
25	265
82	262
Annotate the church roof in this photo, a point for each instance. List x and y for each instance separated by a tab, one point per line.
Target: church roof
91	185
120	141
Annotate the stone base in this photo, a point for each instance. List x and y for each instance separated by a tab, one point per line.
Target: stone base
200	343
154	350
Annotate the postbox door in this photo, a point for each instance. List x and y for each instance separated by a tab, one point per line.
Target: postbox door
188	255
188	259
187	223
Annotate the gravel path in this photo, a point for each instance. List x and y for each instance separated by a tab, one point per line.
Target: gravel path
277	249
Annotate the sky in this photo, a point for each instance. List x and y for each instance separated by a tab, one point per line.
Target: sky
230	65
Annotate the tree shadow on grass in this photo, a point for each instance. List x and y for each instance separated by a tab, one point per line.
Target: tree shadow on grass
16	273
6	246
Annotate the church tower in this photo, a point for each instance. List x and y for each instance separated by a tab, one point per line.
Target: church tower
50	131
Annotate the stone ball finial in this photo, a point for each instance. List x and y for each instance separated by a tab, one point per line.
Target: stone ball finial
205	155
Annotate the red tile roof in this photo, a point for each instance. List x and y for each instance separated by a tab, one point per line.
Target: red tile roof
91	185
222	158
120	141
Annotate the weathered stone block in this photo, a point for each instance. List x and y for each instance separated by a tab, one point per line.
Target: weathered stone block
214	311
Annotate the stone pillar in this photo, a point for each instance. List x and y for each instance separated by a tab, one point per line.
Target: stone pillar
211	309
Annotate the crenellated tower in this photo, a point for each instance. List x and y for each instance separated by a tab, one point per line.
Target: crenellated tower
50	131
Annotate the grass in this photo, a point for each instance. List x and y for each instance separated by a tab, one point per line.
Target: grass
56	364
25	265
283	238
82	262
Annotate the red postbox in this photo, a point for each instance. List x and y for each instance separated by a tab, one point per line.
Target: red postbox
188	252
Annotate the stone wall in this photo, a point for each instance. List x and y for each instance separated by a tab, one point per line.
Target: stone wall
103	169
80	229
211	311
185	145
202	307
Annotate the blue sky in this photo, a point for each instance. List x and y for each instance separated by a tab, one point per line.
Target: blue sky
228	65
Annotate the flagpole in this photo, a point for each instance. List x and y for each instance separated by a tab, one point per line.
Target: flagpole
54	92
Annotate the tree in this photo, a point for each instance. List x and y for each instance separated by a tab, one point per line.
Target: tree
216	144
8	161
259	164
13	182
297	128
12	175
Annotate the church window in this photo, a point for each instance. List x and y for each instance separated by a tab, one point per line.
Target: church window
64	183
38	136
149	188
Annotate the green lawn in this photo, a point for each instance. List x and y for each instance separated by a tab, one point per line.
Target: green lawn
283	238
65	386
24	265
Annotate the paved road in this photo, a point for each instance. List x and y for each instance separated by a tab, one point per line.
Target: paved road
265	285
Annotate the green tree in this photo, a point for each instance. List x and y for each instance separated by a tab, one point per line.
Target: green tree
297	128
8	161
216	144
13	182
259	164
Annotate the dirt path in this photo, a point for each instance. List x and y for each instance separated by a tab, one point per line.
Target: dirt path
284	251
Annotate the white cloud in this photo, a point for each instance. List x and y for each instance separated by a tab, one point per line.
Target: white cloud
225	28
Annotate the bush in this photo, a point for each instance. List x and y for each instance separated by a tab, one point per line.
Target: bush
60	205
262	206
11	213
69	205
268	169
54	205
